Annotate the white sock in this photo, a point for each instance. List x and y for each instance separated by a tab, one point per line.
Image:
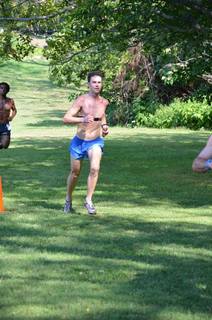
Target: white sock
89	201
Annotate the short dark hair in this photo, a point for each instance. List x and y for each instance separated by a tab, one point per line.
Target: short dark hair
7	87
94	73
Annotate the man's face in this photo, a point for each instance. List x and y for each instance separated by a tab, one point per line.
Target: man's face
2	89
95	84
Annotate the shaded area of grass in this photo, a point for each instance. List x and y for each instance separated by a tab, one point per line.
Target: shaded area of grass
148	171
105	268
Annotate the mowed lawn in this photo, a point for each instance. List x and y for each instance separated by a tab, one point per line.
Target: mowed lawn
146	255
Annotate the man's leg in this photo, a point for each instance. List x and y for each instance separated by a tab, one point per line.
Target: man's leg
73	177
95	155
4	141
202	163
71	182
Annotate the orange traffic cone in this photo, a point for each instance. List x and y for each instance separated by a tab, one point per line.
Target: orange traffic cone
1	197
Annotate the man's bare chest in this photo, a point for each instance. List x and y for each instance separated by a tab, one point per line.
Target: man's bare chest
93	109
4	106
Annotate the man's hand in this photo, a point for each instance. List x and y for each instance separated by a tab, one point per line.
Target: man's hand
105	129
88	119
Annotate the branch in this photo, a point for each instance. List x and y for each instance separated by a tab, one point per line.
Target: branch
196	4
207	77
69	8
69	58
194	24
186	30
16	5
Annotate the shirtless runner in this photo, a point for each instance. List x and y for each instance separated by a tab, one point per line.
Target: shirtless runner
7	113
203	161
88	113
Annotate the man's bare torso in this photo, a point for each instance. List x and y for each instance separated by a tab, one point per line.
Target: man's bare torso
95	107
6	106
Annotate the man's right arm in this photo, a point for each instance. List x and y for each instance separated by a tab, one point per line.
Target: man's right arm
71	115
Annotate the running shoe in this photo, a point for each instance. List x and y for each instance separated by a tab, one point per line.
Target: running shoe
90	207
68	207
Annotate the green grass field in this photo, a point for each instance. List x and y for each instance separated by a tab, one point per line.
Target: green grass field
146	255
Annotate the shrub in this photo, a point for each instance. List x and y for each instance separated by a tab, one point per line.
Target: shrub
191	114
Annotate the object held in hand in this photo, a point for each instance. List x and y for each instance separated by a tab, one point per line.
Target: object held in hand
104	129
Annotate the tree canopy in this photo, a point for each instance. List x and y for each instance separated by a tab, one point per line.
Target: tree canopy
173	36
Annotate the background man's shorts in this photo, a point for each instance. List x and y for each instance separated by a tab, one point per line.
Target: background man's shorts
79	148
5	129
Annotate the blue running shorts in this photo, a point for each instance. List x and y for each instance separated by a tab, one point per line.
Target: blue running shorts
79	148
5	128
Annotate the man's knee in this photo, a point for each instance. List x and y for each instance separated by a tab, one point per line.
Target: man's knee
200	165
75	173
4	146
195	166
94	171
5	142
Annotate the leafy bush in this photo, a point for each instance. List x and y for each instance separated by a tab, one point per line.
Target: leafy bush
191	114
195	115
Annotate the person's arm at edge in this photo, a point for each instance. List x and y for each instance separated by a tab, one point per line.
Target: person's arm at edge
13	111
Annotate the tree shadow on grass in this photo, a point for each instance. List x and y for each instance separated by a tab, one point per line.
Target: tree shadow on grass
49	119
151	169
144	171
158	268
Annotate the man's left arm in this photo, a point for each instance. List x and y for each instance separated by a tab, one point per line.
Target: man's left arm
104	126
13	110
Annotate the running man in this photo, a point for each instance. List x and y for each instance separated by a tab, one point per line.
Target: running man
7	113
203	162
88	113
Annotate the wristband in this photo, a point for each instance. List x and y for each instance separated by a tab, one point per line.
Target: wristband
208	164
